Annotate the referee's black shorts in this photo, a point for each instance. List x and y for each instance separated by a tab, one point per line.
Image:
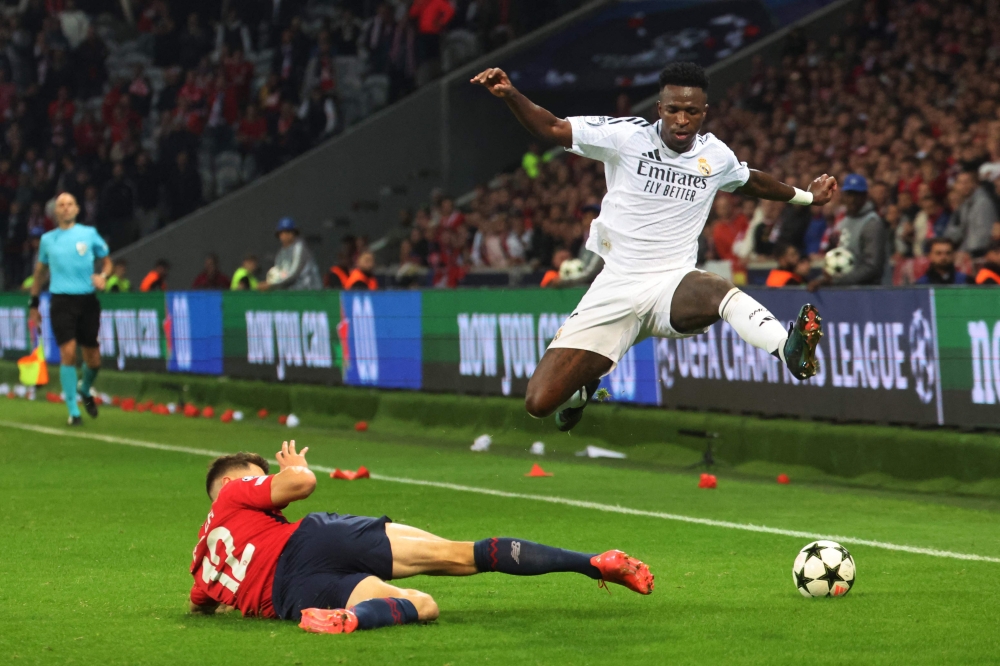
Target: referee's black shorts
75	317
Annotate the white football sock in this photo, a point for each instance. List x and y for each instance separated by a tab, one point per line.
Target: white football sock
753	322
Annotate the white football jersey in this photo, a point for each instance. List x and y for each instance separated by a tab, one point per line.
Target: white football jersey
658	200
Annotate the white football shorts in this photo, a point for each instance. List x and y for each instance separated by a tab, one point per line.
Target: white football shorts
619	311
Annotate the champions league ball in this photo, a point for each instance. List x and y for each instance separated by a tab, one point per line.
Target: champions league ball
570	269
839	261
275	275
823	569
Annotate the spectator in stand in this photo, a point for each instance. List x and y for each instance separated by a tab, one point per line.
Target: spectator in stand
211	277
184	189
90	59
728	225
551	277
294	266
156	279
792	269
340	273
942	265
989	274
362	277
863	233
147	195
118	282
117	210
431	17
232	33
194	43
15	237
245	277
971	224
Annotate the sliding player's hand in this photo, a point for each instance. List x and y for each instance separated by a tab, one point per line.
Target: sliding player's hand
822	189
495	80
288	457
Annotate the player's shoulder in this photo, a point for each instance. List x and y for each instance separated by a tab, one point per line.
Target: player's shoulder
709	141
612	124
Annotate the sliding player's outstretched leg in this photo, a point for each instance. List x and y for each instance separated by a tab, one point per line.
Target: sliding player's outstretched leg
702	299
564	381
415	552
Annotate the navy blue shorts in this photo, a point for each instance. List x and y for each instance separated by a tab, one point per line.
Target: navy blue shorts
326	558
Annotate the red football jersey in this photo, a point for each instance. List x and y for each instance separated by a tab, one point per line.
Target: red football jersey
239	546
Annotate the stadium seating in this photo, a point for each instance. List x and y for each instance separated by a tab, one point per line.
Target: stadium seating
179	77
847	105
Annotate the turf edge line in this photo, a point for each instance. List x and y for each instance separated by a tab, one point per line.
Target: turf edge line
581	504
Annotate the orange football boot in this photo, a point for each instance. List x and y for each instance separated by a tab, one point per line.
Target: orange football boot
324	621
617	567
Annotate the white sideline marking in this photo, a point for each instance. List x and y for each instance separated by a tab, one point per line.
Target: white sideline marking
580	504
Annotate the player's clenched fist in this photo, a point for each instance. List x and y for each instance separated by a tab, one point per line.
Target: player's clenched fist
287	456
495	80
822	189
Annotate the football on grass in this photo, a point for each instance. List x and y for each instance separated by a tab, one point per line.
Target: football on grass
823	569
839	261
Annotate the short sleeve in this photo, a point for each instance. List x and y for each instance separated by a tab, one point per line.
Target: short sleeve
251	492
43	251
601	137
736	173
100	246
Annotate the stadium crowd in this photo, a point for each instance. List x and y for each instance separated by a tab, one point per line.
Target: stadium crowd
147	116
905	99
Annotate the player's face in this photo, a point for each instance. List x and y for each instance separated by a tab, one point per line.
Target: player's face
682	111
66	208
854	202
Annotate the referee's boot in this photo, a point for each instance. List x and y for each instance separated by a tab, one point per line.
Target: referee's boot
75	421
89	404
567	418
803	338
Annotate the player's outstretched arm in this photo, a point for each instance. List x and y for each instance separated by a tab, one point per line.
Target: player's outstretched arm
765	186
535	119
295	481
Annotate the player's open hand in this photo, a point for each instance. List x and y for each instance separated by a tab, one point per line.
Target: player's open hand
288	457
495	80
822	189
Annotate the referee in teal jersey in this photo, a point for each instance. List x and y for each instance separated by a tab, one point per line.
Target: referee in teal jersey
67	257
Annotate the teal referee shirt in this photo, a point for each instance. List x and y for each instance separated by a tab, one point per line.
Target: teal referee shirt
70	255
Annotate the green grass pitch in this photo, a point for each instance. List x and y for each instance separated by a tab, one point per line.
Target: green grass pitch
97	538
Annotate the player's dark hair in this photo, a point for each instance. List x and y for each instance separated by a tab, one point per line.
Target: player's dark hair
685	74
994	246
225	464
941	241
163	263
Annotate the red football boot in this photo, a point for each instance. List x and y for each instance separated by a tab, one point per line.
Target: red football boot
324	621
617	567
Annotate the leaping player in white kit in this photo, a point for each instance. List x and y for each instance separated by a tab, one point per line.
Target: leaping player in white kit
662	180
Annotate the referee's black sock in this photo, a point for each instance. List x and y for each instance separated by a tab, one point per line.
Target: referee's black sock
526	558
67	378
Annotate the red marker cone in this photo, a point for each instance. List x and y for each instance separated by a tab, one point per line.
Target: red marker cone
361	426
191	411
116	401
783	478
208	412
128	404
536	470
349	475
262	414
227	416
707	481
141	407
283	419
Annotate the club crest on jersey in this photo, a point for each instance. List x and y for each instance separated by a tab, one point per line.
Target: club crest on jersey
595	121
704	167
81	248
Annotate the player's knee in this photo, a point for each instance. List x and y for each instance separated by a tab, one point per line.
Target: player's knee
536	405
427	608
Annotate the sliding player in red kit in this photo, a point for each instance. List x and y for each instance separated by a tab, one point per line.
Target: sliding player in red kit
330	571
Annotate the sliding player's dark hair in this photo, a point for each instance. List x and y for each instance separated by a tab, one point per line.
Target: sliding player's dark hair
224	464
685	74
